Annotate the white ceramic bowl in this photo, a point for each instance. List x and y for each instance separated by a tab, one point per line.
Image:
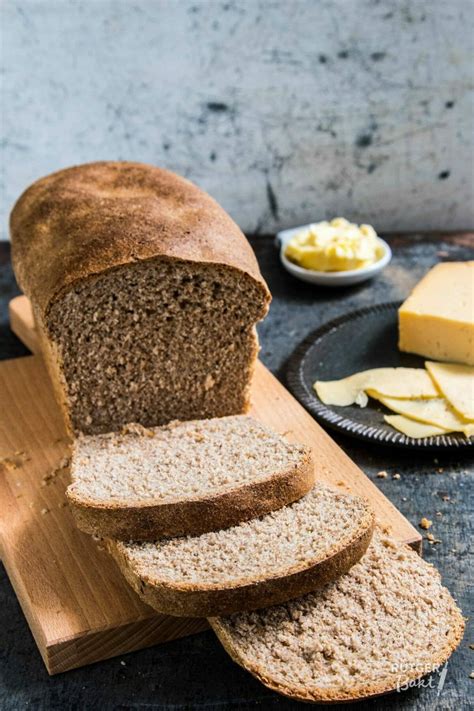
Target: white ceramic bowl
347	278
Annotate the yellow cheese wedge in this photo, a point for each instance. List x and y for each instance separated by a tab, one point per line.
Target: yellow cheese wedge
412	428
456	383
434	412
437	319
393	382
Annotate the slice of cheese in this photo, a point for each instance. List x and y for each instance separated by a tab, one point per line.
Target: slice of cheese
456	383
437	319
394	382
412	428
434	412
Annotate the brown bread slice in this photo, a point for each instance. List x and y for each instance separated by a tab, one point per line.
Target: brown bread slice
257	563
185	478
386	622
145	295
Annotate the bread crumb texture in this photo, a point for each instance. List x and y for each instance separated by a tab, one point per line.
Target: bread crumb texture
295	537
182	460
155	342
386	621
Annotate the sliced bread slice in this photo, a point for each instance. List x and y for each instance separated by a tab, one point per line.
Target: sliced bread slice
387	622
261	562
185	478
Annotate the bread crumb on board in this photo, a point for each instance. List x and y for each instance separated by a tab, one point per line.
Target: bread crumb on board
396	476
14	461
426	523
51	476
382	475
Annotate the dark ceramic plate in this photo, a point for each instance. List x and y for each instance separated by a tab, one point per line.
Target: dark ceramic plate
360	340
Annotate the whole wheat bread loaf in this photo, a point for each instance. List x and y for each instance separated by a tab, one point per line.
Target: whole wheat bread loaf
257	563
145	295
386	622
184	478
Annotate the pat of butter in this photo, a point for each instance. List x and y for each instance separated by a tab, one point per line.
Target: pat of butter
338	245
437	319
456	382
392	382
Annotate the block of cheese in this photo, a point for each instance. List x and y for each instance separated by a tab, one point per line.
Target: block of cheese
394	382
456	382
434	412
437	319
413	428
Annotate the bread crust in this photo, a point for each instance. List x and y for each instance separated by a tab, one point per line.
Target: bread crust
323	695
91	218
148	521
190	600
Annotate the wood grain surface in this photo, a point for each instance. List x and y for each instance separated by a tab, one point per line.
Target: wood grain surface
76	602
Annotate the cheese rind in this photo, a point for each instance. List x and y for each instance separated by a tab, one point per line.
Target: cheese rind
394	382
413	428
456	383
437	319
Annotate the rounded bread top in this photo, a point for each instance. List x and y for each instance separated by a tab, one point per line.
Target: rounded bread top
88	219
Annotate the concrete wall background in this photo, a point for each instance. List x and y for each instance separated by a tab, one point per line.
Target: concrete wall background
285	111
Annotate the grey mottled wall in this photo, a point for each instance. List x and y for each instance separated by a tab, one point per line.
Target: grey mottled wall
285	111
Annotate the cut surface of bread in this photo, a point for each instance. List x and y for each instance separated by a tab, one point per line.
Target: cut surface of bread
145	295
155	342
184	478
257	563
384	623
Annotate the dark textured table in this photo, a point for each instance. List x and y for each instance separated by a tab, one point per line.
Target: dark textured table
195	672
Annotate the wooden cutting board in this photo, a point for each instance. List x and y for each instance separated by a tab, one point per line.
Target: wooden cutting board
77	604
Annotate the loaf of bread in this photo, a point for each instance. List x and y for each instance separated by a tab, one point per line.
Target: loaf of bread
184	478
145	295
